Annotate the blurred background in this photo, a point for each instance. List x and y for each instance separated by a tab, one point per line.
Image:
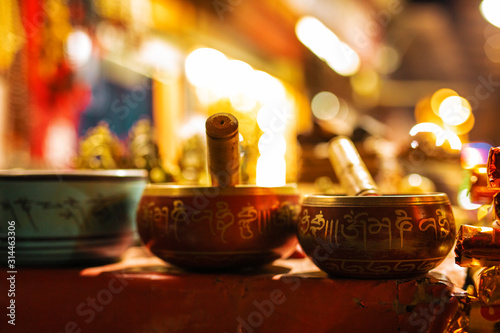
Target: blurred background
129	84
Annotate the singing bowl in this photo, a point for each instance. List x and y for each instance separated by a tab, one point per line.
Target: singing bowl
211	228
69	217
389	236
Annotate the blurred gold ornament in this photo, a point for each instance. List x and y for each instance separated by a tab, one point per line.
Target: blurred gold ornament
55	31
12	32
144	152
100	149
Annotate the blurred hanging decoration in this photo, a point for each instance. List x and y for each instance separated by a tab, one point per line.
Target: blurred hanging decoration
55	95
12	32
54	34
13	62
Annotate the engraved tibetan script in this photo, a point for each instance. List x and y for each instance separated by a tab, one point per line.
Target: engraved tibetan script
356	226
441	226
224	218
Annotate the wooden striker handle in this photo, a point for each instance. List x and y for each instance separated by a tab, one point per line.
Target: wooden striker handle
223	149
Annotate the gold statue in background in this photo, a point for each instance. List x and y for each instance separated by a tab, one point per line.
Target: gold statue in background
102	149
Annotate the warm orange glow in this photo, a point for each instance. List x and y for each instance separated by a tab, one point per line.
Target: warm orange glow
204	66
492	48
424	114
452	138
415	183
491	11
454	110
257	97
162	57
387	60
366	87
464	127
266	88
445	108
365	82
271	171
440	134
439	96
271	166
215	77
464	201
426	127
239	87
327	46
471	157
271	144
415	179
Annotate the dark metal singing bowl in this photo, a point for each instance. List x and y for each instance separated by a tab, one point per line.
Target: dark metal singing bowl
206	228
387	236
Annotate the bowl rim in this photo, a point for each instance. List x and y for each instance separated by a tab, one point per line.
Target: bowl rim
386	200
72	174
174	190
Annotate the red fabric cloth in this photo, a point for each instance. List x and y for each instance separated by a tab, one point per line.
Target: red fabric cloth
143	294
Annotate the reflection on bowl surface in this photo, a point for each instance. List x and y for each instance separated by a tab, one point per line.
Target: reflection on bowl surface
377	236
207	228
70	216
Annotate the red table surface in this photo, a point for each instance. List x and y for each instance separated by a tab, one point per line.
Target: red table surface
143	294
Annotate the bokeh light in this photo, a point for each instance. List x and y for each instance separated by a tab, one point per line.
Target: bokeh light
203	66
272	144
426	127
464	201
474	154
327	46
267	88
439	96
387	59
415	183
271	118
325	105
454	110
78	48
490	9
271	171
440	134
215	76
415	179
237	87
492	48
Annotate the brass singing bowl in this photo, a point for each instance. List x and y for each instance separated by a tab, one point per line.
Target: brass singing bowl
207	228
387	236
